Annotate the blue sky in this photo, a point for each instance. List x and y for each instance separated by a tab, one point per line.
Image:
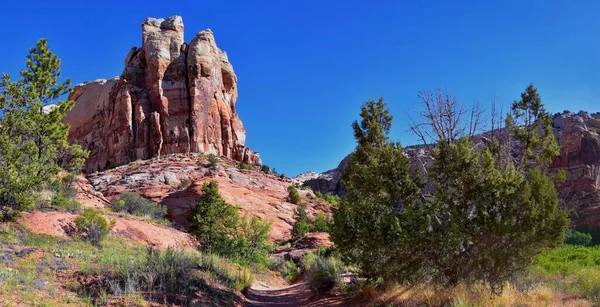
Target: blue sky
305	67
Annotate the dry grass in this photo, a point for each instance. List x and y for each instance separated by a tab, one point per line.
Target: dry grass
469	296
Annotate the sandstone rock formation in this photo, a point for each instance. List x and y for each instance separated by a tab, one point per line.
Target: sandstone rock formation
59	224
172	97
579	140
176	182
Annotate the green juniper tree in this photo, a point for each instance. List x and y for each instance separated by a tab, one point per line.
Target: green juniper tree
220	229
369	223
33	139
486	217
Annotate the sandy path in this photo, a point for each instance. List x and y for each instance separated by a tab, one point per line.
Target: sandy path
295	295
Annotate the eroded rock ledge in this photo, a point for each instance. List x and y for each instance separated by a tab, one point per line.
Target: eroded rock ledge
172	97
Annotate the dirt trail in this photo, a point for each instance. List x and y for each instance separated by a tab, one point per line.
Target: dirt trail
260	295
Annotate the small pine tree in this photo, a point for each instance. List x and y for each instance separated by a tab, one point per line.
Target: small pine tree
33	139
220	229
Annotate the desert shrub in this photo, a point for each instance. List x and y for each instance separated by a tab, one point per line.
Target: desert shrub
319	195
324	273
289	271
250	241
303	223
62	202
137	205
320	224
333	199
575	237
220	229
213	160
245	166
265	168
92	226
184	184
293	195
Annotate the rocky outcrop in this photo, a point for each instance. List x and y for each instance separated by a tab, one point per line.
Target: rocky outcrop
176	183
579	140
171	98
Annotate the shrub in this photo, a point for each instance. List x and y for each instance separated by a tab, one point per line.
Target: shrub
303	223
321	224
265	168
137	205
574	237
220	230
324	273
333	199
92	226
245	166
213	160
62	202
289	271
319	195
293	195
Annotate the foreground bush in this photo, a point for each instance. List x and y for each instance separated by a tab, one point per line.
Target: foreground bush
324	273
137	205
303	223
92	226
293	195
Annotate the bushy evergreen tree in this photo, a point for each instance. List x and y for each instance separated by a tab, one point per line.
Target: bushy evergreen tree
33	139
220	229
485	221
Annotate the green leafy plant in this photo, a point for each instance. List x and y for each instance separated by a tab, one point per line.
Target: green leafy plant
220	229
137	205
324	273
293	195
245	166
213	160
320	224
303	223
92	226
64	203
574	237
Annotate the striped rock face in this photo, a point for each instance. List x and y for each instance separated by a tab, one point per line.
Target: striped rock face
171	98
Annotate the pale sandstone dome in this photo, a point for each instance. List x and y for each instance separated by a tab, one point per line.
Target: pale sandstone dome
171	98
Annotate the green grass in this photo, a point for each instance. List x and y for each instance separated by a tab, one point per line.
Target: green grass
572	269
569	259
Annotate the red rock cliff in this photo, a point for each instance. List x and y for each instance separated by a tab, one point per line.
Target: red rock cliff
172	97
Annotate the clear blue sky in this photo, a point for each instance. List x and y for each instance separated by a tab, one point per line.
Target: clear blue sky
305	67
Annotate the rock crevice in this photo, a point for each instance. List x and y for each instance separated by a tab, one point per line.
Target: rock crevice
170	98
